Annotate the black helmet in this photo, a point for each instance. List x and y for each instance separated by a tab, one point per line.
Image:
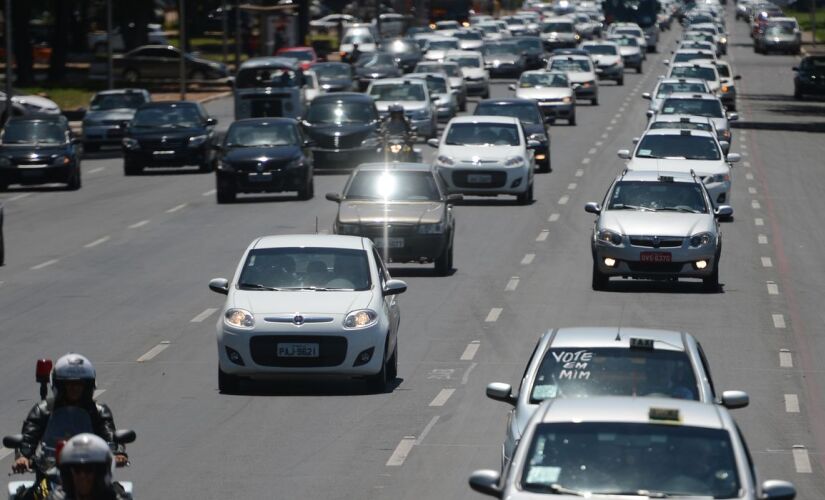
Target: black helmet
396	110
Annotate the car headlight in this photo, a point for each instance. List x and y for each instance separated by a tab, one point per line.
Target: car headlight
723	40
444	160
347	229
567	100
239	318
61	160
130	143
701	239
608	236
712	179
363	318
538	137
396	148
197	140
437	228
725	89
515	160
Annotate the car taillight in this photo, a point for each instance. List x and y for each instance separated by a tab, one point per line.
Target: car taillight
44	369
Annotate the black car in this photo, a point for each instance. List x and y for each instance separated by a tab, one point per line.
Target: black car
810	77
2	242
334	76
532	120
407	53
39	150
344	128
264	155
169	134
374	65
533	49
162	62
504	59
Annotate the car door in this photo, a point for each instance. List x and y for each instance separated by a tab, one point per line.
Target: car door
168	63
390	301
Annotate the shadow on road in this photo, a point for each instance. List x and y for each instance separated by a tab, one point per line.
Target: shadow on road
418	272
810	127
643	286
311	387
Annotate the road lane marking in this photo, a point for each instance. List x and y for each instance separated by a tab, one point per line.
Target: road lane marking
403	449
44	264
4	452
572	186
773	288
755	204
528	259
604	136
493	315
564	199
470	351
767	262
759	221
543	235
743	139
762	239
176	208
599	143
512	284
592	151
801	460
466	377
609	128
614	121
791	403
98	393
96	170
747	164
427	429
210	192
19	196
744	154
442	397
96	242
139	224
749	176
585	161
778	321
752	190
151	353
785	358
203	315
579	173
553	217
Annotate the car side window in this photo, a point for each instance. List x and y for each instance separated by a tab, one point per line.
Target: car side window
706	367
751	467
527	366
383	274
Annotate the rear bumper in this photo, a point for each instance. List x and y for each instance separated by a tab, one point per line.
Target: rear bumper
36	175
276	181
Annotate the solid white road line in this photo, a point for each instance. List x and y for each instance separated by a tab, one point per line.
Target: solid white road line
579	173
572	186
553	217
791	403
427	429
512	284
4	452
403	449
151	353
466	377
801	460
778	321
98	393
758	221
755	204
44	264
96	242
139	224
19	196
176	208
767	262
493	315
442	397
528	259
203	315
209	193
785	358
543	235
762	239
470	351
564	199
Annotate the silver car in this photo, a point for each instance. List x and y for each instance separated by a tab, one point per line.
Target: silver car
620	447
413	95
445	100
656	225
454	75
107	111
706	105
308	305
625	362
666	87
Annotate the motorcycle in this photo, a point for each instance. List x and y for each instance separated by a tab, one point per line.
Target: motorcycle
399	148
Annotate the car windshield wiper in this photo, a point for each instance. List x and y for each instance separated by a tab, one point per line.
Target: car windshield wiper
258	286
554	488
650	494
649	156
313	288
679	209
622	206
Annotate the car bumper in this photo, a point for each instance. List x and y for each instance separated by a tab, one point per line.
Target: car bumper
628	262
610	72
178	157
771	45
586	92
403	242
333	159
36	175
633	61
291	179
102	135
486	180
810	88
557	109
477	86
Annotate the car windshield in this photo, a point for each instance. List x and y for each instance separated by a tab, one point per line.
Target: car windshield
691	147
577	373
359	38
691	56
557	28
667	88
300	55
604	50
527	113
393	186
626	41
442	44
375	60
397	92
33	132
305	268
435	84
500	49
779	30
468	35
266	77
570	65
638	195
630	32
483	134
259	134
710	108
703	72
530	44
539	80
104	102
645	459
814	64
167	117
333	71
680	125
467	61
340	112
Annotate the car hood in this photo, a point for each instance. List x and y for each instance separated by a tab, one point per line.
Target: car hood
124	114
376	71
38	101
700	167
655	223
474	72
470	44
605	59
371	212
556	35
503	58
277	153
29	153
544	93
580	76
435	54
350	130
169	133
408	106
336	304
467	153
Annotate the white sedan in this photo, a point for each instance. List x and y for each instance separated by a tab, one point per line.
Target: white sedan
308	305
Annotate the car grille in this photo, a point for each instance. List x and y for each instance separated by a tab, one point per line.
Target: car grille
649	267
651	242
170	143
377	230
497	179
252	166
264	348
338	142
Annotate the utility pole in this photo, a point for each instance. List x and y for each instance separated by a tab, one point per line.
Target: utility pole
182	46
237	35
224	27
813	22
110	70
9	56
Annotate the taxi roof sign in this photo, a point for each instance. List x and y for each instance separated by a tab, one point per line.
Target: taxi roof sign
664	414
635	342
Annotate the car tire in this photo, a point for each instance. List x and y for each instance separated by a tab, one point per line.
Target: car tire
91	147
797	94
572	120
308	191
544	167
131	76
74	182
486	94
620	81
228	384
225	192
377	383
527	197
463	105
131	168
600	279
594	101
711	283
444	262
639	69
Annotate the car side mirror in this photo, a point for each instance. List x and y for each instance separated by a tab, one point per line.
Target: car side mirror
624	154
211	121
394	287
125	436
635	140
723	211
486	482
512	86
646	95
334	197
432	143
773	489
665	61
734	157
499	391
592	208
737	77
735	399
219	285
732	117
13	442
453	198
649	113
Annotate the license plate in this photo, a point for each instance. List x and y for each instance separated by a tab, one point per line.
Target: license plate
292	350
260	177
389	242
163	152
479	178
656	257
33	165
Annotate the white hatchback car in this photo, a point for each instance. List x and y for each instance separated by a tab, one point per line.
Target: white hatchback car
486	156
308	305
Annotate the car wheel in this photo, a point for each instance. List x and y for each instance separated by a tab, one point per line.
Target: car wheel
225	192
228	384
486	94
544	166
594	101
599	278
378	383
308	191
639	69
131	168
572	119
74	182
444	262
797	94
620	81
91	147
131	75
711	283
527	197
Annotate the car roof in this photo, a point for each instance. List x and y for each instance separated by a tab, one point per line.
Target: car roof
461	53
693	95
654	176
310	240
629	410
573	57
485	119
679	118
395	166
601	42
619	337
671	131
122	91
398	81
697	63
558	20
261	121
421	75
270	62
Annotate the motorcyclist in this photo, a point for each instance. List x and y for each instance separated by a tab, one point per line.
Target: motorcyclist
355	54
73	385
396	122
86	471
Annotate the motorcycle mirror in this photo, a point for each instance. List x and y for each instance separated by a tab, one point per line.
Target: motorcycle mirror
44	370
13	442
125	436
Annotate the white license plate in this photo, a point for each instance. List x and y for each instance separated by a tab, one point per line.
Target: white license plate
33	165
389	242
293	350
479	178
163	152
260	177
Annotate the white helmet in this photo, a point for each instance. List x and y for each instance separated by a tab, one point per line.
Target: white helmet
88	450
73	366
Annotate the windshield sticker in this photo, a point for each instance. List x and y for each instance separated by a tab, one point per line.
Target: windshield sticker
574	364
644	152
543	474
669	110
545	391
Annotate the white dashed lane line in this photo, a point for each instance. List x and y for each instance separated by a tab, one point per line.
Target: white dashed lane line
96	242
493	315
151	353
209	193
755	204
470	351
801	460
773	288
543	235
778	321
752	190
746	164
749	176
403	449
564	199
592	151
176	208
767	262
553	217
762	239
609	127
585	161
442	397
791	403
512	284
96	170
44	264
572	186
759	221
528	259
604	136
785	358
579	173
139	224
209	311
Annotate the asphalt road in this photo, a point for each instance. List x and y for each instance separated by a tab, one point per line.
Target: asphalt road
118	271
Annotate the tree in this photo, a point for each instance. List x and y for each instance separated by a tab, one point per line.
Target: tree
60	40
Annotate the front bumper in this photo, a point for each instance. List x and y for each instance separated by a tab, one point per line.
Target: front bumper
557	109
36	174
610	72
102	134
634	61
628	261
333	159
589	92
273	181
174	156
486	180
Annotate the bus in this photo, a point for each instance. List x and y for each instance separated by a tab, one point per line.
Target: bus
269	86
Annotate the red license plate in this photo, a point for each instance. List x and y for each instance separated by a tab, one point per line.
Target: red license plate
656	257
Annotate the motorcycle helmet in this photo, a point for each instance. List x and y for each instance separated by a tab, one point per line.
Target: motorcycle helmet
87	450
73	367
396	111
